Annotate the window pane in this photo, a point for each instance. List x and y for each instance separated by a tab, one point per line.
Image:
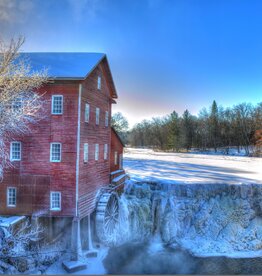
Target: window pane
17	105
105	151
11	197
87	108
99	83
15	151
85	152
97	115
57	104
115	157
56	152
56	200
96	151
106	119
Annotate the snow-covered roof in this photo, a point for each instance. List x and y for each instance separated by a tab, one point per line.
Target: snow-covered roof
9	221
71	66
64	65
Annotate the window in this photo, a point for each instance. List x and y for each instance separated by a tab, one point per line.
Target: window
105	151
11	197
96	152
57	104
99	83
17	105
55	201
55	152
115	157
15	151
87	111
85	152
97	115
106	119
121	161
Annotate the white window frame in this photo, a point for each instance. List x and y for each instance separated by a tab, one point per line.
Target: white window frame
55	161
106	118
120	157
99	81
85	152
62	105
105	151
96	152
11	151
116	157
97	115
51	201
17	105
8	196
87	112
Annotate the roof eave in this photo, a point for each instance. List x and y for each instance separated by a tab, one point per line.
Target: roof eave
115	96
67	78
94	66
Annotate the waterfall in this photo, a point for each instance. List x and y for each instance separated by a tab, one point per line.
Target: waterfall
204	219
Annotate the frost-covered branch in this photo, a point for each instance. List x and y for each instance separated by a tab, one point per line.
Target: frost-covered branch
20	103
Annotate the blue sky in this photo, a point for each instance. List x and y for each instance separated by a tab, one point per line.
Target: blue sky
164	55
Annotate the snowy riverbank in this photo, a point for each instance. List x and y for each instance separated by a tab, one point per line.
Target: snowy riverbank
147	165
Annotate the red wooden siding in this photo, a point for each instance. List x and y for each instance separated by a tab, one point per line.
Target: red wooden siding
35	176
93	174
116	146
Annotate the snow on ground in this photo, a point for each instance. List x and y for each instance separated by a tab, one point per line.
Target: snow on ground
94	265
147	165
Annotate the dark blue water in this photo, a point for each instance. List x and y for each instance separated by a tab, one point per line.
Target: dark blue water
136	258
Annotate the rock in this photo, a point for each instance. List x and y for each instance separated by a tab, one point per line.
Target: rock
21	264
4	265
91	254
73	266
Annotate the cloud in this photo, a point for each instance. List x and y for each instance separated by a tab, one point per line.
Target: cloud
15	11
87	9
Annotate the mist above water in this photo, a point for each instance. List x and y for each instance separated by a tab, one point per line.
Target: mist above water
135	258
188	229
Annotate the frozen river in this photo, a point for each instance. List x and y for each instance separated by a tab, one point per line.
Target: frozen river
147	165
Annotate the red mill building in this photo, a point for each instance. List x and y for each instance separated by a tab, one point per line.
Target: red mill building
61	169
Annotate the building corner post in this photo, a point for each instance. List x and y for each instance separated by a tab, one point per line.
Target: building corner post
76	246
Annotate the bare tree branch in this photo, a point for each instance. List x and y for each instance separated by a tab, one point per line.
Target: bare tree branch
20	103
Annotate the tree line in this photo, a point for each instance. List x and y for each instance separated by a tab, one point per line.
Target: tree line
214	127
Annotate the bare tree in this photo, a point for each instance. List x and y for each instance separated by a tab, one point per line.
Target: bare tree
20	104
18	250
120	124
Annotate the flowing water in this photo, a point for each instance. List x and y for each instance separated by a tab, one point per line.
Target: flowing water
188	229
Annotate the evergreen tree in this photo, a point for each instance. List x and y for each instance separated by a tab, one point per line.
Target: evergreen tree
187	130
214	125
174	132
